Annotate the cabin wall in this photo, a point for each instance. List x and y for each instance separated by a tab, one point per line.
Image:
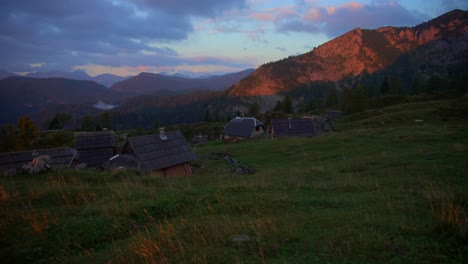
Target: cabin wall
258	131
178	170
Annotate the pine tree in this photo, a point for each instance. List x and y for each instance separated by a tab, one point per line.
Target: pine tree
332	97
88	124
416	87
8	138
287	105
254	109
385	87
106	120
359	101
347	101
207	116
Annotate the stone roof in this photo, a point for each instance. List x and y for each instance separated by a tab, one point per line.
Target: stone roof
95	148
242	127
155	152
293	127
61	158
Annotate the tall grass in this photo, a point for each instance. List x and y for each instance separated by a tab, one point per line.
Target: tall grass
367	194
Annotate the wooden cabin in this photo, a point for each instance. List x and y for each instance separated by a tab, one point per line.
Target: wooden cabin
95	148
60	157
167	153
309	126
243	128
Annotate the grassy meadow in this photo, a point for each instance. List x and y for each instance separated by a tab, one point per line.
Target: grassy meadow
382	189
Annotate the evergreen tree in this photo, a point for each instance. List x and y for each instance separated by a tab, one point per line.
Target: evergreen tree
27	133
88	124
278	107
254	109
8	137
207	116
332	97
359	102
434	84
395	86
372	91
416	87
59	120
287	105
106	120
385	87
347	101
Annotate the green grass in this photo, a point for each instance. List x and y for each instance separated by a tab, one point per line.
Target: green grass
382	189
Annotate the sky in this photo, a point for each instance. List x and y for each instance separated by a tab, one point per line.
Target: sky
126	37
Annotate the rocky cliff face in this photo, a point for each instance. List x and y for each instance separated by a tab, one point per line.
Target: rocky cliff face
357	52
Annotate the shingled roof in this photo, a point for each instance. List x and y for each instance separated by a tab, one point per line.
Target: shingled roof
156	152
242	127
61	158
293	127
95	148
322	125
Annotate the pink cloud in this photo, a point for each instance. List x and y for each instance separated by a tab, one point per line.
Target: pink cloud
336	20
262	17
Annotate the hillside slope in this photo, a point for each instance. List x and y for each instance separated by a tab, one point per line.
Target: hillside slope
21	95
359	52
380	190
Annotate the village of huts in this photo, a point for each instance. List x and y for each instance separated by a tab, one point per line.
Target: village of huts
166	153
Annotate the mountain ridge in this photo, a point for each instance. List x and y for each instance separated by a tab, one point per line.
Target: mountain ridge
146	83
357	52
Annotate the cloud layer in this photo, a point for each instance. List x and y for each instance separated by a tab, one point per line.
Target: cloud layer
60	34
126	36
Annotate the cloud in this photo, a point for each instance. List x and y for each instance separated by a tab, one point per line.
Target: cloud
65	33
336	20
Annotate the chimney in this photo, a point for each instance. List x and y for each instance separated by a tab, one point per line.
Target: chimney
162	134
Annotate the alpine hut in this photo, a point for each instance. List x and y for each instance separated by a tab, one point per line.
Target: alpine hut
309	126
243	128
167	153
322	125
95	148
12	162
292	127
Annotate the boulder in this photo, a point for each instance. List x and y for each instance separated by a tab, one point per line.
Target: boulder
38	164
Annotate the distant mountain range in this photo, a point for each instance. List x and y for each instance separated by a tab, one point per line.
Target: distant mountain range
440	44
437	47
146	83
23	95
5	74
105	79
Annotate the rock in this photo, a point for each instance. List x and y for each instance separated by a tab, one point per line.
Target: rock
240	238
38	164
81	166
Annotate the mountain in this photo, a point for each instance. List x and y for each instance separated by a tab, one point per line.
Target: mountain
146	83
106	79
21	95
360	52
75	75
4	74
